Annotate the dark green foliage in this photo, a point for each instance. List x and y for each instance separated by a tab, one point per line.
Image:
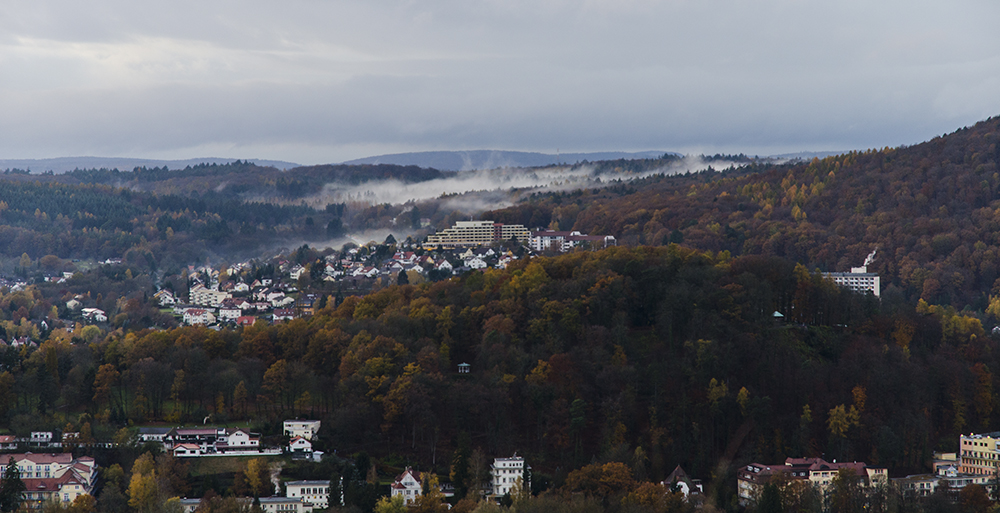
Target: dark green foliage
11	488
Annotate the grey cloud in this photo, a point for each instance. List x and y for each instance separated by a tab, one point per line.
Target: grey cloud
313	81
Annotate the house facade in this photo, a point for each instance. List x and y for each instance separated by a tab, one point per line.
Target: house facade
819	472
407	485
52	476
506	473
304	428
316	493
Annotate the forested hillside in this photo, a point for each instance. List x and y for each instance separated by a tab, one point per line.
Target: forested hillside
932	210
651	357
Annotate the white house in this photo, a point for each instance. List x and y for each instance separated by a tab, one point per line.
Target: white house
165	298
236	439
476	263
94	314
305	428
407	485
299	444
183	450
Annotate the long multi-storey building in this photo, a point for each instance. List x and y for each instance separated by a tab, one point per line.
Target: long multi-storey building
858	280
477	233
979	453
817	471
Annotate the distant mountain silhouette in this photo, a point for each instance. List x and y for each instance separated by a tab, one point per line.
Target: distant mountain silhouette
490	159
64	164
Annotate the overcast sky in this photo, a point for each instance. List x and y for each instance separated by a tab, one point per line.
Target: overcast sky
330	80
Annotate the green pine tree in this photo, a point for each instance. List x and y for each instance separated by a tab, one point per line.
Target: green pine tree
11	488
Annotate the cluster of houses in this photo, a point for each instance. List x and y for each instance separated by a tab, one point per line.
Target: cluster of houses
186	442
235	302
506	474
976	463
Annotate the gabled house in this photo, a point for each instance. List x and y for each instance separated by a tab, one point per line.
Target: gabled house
300	445
94	315
408	485
283	314
164	298
237	439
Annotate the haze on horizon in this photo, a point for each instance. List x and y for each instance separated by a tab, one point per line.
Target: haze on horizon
318	82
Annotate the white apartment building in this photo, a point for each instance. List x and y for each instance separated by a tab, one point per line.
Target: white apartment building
305	428
316	493
507	472
858	280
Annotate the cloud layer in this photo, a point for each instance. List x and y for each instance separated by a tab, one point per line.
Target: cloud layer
313	81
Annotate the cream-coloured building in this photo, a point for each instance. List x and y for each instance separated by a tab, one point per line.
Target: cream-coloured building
751	478
476	233
52	476
200	295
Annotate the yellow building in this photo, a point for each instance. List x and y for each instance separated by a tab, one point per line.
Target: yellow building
477	233
979	453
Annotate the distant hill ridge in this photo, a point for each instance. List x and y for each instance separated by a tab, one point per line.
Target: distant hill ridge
66	164
491	159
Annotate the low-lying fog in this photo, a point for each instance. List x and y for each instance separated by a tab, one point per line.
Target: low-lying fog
493	187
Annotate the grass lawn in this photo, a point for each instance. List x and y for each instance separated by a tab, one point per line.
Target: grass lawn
221	465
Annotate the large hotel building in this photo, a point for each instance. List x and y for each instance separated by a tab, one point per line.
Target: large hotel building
475	233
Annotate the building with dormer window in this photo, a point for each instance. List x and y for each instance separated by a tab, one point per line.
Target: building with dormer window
408	485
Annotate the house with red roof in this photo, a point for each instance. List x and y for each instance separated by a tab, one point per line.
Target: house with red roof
408	485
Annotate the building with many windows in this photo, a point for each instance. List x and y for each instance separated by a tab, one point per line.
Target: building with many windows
551	240
819	472
477	233
316	493
52	476
858	280
305	428
979	454
507	473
